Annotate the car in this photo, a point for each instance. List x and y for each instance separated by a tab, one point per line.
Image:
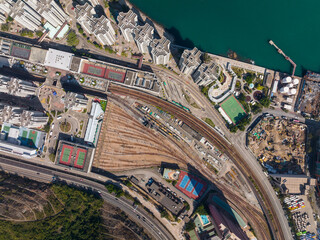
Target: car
52	126
59	117
81	179
99	191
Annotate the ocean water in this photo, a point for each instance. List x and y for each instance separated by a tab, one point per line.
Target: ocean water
245	27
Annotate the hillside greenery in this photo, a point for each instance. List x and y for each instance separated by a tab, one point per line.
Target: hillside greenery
79	219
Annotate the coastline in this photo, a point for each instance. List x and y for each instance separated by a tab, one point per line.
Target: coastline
163	30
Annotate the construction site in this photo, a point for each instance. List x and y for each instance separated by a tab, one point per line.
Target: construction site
279	145
309	102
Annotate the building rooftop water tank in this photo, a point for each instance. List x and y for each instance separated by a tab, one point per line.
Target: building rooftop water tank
293	91
284	89
286	80
295	81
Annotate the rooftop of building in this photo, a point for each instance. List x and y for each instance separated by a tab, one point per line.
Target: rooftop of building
95	119
143	33
127	20
74	155
192	57
160	46
167	199
58	59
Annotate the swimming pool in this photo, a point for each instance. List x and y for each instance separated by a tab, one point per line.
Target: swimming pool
204	219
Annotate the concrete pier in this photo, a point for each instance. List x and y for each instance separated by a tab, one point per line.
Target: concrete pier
285	56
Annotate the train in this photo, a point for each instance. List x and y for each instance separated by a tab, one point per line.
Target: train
179	105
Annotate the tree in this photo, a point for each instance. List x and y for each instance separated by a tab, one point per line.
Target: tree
72	39
5	27
206	57
39	33
265	101
190	226
9	19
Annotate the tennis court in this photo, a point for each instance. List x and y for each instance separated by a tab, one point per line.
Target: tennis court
198	189
65	156
94	70
32	138
233	109
20	51
80	158
115	75
184	181
191	185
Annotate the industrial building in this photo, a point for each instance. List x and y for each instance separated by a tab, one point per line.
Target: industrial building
127	23
21	141
101	27
206	74
143	35
190	60
294	184
160	50
164	197
94	124
17	87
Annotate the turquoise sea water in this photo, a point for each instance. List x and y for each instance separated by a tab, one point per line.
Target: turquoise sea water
245	26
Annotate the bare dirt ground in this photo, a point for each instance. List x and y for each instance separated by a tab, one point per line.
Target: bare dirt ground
125	144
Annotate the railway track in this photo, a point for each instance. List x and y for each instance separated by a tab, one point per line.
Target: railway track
262	196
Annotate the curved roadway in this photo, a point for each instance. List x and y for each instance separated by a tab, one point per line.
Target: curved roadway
249	168
42	173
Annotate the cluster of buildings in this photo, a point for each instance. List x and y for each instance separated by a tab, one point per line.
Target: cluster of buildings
143	36
21	141
31	13
202	73
100	27
88	72
17	87
288	89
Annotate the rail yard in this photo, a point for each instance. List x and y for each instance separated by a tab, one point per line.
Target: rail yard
257	217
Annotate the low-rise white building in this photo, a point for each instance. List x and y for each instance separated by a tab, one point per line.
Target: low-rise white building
101	27
94	124
190	60
206	74
58	59
143	35
160	50
127	23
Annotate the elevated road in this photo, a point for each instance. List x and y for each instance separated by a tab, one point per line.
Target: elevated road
45	174
259	183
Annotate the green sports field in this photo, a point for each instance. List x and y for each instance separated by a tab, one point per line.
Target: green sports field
233	109
65	155
80	158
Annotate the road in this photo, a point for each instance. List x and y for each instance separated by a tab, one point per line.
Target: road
236	139
45	174
249	167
